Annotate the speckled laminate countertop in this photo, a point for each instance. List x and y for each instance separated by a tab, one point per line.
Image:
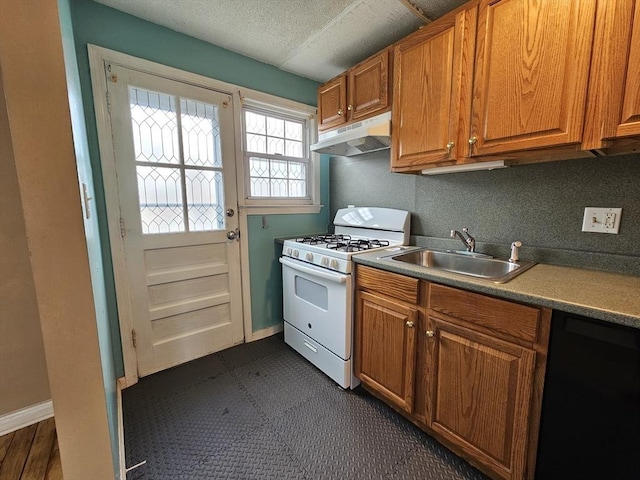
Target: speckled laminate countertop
605	296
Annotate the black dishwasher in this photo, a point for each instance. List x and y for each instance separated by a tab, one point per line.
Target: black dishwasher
590	424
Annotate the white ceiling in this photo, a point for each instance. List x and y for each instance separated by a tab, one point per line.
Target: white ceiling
317	39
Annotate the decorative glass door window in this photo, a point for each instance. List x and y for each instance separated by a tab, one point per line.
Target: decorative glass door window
178	163
276	154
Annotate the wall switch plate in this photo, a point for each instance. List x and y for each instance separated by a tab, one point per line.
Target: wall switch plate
601	220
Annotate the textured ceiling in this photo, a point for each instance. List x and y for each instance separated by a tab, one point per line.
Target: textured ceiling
317	39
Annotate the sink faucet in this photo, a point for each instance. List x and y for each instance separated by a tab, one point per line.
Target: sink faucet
468	240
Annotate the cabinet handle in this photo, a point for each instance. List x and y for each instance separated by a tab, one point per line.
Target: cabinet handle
430	333
450	146
349	107
340	111
409	324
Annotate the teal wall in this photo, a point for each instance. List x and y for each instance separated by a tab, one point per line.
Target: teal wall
266	274
103	26
91	228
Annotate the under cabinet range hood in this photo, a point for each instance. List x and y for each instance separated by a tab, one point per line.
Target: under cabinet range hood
369	135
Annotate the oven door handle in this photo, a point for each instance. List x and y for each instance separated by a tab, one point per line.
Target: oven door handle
297	265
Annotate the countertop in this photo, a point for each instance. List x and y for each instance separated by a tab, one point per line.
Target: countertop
606	296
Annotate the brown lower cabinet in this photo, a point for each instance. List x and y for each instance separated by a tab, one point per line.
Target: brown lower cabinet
465	367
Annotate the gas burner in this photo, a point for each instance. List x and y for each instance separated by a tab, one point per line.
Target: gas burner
324	238
357	245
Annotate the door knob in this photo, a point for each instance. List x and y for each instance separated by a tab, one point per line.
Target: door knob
233	234
230	212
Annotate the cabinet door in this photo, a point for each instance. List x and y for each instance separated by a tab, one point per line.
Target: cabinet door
431	85
480	392
386	348
613	105
368	85
531	74
629	123
332	100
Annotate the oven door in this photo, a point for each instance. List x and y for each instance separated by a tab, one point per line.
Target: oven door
317	302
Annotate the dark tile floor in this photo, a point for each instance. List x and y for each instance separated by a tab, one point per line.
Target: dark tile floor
260	410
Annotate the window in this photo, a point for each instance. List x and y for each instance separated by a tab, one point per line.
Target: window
279	169
178	162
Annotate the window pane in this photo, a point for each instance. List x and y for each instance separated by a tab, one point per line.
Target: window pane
160	193
200	134
256	143
154	126
293	149
258	167
275	146
279	169
275	127
297	171
297	188
293	131
279	188
205	199
260	187
255	123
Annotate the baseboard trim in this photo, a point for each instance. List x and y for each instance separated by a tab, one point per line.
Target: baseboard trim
121	384
26	416
267	332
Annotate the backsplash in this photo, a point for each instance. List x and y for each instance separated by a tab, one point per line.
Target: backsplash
541	205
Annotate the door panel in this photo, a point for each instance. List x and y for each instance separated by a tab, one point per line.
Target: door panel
386	348
480	393
531	74
175	164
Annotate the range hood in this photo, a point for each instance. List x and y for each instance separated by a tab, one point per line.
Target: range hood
369	135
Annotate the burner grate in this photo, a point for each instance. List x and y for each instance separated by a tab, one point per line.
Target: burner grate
358	245
324	238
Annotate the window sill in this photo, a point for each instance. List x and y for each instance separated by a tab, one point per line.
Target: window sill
279	209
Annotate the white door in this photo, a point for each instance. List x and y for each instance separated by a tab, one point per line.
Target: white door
174	157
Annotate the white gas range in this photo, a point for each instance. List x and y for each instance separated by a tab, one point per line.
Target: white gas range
318	287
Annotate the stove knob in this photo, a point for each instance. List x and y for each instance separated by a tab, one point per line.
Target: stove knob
334	264
325	261
296	253
309	257
289	251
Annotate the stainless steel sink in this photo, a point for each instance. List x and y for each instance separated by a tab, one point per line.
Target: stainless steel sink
498	271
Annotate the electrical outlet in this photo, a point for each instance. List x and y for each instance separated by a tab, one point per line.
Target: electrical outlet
601	220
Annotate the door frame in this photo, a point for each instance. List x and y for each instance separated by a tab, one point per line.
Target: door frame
98	56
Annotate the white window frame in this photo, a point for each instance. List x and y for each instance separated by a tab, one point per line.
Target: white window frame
264	205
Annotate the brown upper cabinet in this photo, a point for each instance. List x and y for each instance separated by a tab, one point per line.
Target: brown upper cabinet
531	74
432	83
518	79
613	108
360	92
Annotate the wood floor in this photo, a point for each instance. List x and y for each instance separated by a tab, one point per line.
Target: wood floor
31	453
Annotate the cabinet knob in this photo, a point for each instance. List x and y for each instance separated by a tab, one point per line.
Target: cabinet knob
340	111
409	324
450	146
349	107
473	140
430	333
